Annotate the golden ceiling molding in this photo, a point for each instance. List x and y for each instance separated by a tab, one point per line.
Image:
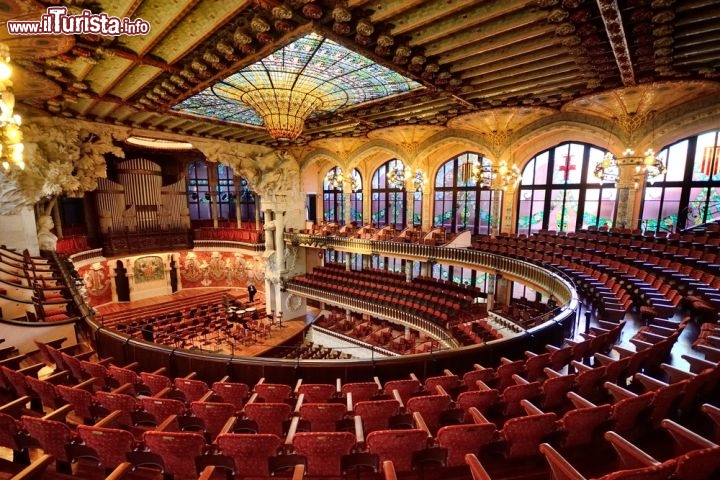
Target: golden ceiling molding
409	138
498	125
341	147
633	108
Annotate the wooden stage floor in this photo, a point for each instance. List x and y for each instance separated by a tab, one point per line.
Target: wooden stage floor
277	335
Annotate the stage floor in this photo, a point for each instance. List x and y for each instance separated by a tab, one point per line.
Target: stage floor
276	336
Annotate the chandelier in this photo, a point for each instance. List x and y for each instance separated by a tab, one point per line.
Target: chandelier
647	165
11	146
487	175
335	178
396	177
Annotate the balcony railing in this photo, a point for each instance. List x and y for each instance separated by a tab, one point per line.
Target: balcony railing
540	278
384	312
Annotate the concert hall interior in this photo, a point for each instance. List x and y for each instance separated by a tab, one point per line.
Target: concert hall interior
369	239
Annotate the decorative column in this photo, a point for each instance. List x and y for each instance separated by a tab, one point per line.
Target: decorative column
57	219
409	205
347	191
496	212
627	187
408	270
490	294
257	212
426	224
238	216
348	261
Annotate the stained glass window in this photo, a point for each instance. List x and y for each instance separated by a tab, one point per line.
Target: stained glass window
225	193
198	181
460	203
311	65
573	199
689	192
247	202
333	204
387	200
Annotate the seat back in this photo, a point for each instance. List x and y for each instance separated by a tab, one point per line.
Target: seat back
581	425
448	382
361	391
483	400
316	392
376	414
625	412
268	416
406	388
177	449
322	416
81	400
430	407
118	401
323	451
250	451
9	429
397	446
231	392
701	464
192	389
161	408
50	434
525	434
460	440
554	391
484	375
213	414
273	392
513	394
155	382
111	444
46	391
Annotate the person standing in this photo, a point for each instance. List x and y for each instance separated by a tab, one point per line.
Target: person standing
251	292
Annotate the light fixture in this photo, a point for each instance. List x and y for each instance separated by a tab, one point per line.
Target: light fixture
396	177
647	166
311	74
335	178
489	176
11	146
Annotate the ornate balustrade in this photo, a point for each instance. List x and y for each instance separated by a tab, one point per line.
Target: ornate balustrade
539	278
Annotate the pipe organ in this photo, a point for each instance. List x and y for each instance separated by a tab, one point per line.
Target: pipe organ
138	202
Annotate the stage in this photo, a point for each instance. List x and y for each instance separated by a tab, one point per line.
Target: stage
257	345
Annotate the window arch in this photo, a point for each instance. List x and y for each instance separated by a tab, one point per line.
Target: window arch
388	200
461	203
560	192
198	182
689	192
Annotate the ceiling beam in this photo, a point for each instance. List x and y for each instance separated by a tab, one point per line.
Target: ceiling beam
610	13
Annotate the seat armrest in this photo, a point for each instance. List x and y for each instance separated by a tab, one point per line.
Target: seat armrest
618	392
631	456
649	383
579	401
685	439
675	374
529	408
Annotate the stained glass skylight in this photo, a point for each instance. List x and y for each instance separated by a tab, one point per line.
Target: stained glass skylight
311	74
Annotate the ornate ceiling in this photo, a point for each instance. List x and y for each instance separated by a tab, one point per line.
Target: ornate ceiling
472	56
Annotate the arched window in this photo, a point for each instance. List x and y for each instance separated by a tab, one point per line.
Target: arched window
333	204
560	192
689	192
388	199
461	203
225	193
247	202
198	184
